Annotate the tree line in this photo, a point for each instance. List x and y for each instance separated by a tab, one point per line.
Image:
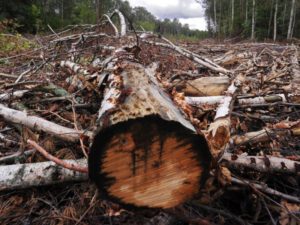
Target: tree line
35	16
255	19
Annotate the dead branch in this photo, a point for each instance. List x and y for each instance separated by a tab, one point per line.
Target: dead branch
122	22
112	24
191	56
58	161
19	176
264	188
40	124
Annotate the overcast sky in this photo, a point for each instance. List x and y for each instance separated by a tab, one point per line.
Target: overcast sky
187	11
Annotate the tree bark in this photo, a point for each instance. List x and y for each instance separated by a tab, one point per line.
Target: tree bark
253	21
145	153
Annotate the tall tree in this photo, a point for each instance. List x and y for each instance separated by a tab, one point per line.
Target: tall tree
246	12
289	33
275	20
97	4
271	17
232	14
215	16
253	21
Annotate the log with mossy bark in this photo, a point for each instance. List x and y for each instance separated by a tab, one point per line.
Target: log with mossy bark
144	152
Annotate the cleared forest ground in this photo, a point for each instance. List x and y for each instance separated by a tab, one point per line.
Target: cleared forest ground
64	77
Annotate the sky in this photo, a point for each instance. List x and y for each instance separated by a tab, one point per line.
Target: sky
187	11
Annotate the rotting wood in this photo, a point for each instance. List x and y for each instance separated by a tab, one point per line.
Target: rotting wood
139	141
218	134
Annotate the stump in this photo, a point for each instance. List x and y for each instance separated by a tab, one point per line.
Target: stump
145	153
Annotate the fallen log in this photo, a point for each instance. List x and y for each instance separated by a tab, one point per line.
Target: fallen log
263	163
145	153
19	176
204	86
211	100
40	124
263	135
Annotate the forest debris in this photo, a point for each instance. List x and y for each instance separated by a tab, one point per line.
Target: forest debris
192	56
256	121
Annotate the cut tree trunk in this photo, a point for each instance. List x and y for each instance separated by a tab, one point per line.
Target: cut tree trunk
145	153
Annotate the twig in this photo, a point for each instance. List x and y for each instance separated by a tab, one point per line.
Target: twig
23	74
266	189
57	160
76	128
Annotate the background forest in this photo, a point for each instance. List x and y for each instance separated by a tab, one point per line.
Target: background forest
268	19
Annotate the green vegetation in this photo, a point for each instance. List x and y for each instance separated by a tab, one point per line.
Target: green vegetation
268	19
34	16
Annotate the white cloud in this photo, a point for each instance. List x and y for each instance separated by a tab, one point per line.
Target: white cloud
188	11
195	23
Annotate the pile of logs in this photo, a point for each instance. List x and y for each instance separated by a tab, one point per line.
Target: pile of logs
150	122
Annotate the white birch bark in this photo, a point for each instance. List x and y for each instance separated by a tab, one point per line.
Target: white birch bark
19	176
40	124
289	33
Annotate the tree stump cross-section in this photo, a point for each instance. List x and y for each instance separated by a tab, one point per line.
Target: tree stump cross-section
151	159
